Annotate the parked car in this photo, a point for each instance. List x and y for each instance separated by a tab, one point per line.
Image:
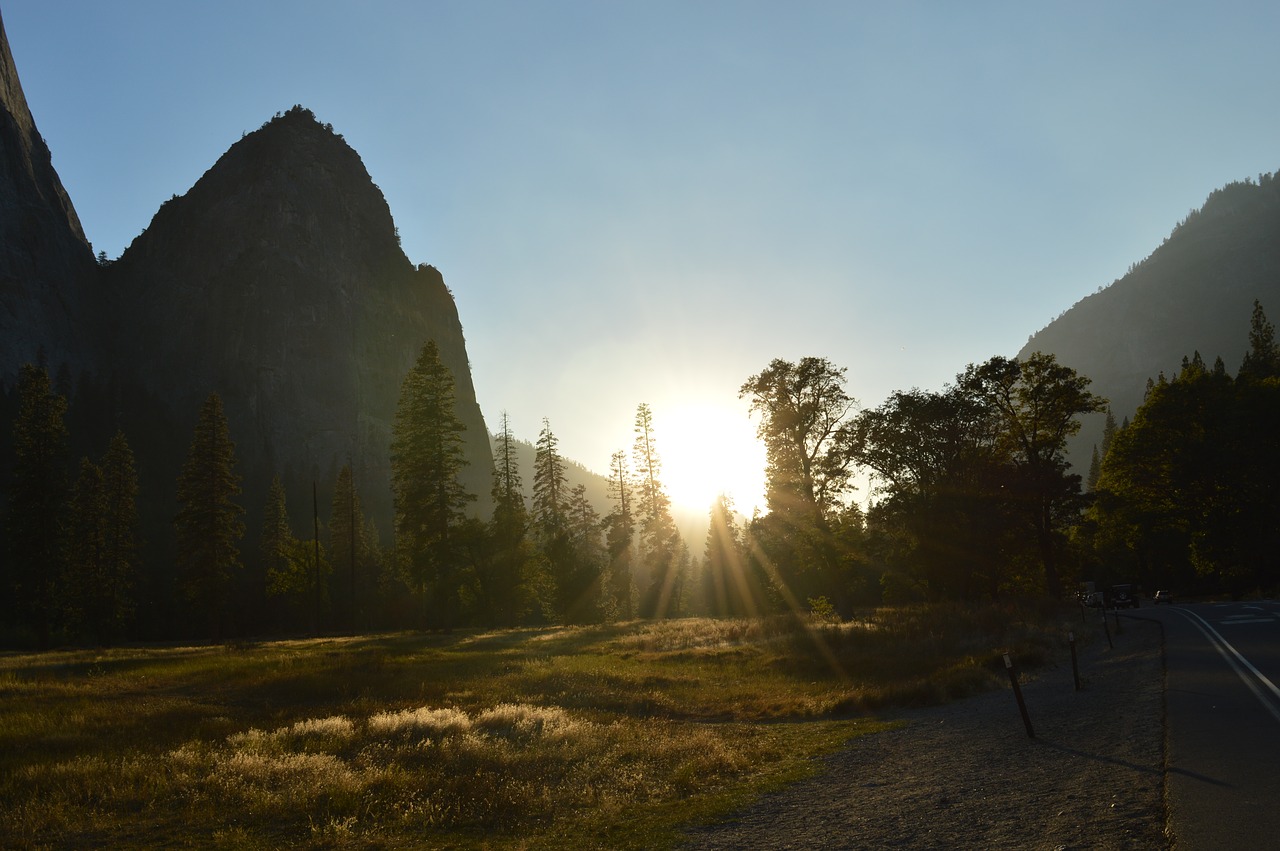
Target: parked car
1164	597
1124	597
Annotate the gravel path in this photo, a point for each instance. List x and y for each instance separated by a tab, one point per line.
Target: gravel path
966	775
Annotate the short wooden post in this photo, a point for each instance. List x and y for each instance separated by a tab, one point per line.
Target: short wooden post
1017	692
1075	666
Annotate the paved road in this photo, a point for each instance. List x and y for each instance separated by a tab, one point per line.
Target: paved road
1223	723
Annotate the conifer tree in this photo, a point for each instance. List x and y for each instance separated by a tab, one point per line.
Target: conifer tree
550	488
122	538
38	501
209	524
1263	358
348	548
430	501
619	536
550	523
102	558
659	541
579	589
503	579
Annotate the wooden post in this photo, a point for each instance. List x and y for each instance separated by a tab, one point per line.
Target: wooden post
1075	666
1017	693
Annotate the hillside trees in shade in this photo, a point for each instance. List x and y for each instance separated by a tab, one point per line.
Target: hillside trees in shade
209	524
658	557
1189	493
804	423
430	501
38	498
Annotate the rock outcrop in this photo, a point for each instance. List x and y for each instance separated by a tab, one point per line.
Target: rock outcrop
276	281
46	265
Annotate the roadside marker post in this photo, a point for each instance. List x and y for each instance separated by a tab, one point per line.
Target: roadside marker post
1107	630
1116	613
1017	692
1075	666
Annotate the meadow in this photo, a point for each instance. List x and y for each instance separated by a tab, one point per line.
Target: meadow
614	735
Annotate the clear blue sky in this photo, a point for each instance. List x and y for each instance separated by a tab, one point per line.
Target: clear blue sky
649	201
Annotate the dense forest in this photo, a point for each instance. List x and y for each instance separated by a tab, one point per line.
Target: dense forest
972	499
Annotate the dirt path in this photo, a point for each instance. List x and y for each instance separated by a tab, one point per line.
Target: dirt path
966	775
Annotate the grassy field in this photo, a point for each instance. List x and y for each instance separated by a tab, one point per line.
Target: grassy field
610	736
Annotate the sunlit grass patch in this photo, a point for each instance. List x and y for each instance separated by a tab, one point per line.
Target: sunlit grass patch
594	736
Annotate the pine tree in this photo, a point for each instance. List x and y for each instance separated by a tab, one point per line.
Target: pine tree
84	580
209	524
277	542
503	579
549	485
430	502
1263	358
619	536
659	542
580	588
38	501
725	589
550	522
348	548
102	557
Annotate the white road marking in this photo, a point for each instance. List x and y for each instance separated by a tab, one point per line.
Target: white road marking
1223	646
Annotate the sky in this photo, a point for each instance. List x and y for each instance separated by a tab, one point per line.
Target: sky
650	201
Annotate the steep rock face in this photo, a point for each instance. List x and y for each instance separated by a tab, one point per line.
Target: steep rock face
1194	293
46	265
278	282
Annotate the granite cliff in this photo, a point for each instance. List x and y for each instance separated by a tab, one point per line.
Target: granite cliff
276	281
46	265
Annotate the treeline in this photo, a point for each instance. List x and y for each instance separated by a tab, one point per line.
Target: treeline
971	498
1187	495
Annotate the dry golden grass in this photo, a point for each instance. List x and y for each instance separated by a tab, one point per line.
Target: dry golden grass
607	736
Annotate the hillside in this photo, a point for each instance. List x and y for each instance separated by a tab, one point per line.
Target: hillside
1195	292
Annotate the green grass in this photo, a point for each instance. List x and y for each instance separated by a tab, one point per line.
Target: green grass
612	736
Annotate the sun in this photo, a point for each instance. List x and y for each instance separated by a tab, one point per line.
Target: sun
708	449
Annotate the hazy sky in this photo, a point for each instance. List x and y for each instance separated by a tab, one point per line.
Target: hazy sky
649	201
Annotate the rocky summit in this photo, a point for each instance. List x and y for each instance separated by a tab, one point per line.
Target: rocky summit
276	281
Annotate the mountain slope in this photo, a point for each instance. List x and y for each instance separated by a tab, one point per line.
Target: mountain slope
1193	293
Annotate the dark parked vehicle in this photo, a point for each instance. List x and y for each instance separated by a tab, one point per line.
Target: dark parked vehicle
1124	597
1164	597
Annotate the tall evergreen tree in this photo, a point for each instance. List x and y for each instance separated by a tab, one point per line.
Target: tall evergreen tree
728	589
348	549
38	500
619	537
122	536
1263	358
504	581
657	567
430	501
550	520
209	524
102	558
